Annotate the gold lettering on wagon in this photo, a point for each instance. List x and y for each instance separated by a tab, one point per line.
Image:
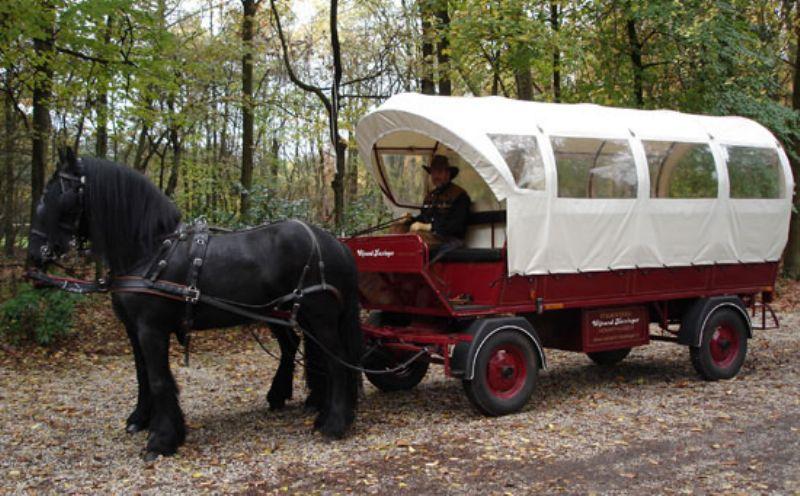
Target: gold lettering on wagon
614	326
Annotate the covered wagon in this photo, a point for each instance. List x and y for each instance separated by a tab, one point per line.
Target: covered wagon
592	229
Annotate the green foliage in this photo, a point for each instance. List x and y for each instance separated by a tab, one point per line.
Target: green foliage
269	206
40	316
694	175
754	173
365	211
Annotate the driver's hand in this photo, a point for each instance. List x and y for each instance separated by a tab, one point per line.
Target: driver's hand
420	226
404	220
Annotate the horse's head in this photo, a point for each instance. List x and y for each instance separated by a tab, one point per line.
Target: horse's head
58	222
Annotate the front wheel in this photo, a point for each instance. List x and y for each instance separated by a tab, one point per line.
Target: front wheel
505	374
723	348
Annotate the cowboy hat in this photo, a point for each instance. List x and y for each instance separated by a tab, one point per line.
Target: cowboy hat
442	161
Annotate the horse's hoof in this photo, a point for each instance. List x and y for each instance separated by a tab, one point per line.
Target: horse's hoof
150	456
276	405
333	429
313	403
134	428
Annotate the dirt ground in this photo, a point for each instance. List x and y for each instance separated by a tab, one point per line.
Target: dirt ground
649	425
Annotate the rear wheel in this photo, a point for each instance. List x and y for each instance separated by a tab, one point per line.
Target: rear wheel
402	380
505	374
723	347
610	357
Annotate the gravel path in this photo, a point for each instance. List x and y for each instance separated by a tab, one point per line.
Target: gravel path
648	425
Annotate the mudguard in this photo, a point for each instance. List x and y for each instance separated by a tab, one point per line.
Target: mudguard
464	354
692	323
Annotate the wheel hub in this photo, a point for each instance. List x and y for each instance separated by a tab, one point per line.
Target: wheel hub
724	345
506	372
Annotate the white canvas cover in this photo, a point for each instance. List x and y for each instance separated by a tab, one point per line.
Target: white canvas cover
547	233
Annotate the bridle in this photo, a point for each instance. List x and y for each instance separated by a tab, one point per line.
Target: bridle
68	183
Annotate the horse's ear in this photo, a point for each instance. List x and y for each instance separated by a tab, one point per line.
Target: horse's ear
62	157
66	158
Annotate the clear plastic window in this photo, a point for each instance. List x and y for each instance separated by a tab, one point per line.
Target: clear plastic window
680	170
405	176
754	172
594	168
523	157
409	182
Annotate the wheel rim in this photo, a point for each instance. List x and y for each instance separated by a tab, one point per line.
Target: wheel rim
506	372
724	345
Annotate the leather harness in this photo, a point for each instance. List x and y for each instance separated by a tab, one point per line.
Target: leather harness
198	235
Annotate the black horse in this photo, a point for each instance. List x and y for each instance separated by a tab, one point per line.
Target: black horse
126	220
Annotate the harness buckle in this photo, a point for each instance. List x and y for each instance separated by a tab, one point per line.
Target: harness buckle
192	294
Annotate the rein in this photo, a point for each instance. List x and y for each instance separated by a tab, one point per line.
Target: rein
376	227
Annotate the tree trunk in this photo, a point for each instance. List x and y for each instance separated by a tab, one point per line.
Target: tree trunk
427	85
8	172
352	174
177	151
101	138
275	150
524	82
443	48
139	162
791	264
555	25
339	144
248	31
42	92
338	183
636	60
223	134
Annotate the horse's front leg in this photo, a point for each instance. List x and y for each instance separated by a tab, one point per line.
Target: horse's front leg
167	427
281	389
139	419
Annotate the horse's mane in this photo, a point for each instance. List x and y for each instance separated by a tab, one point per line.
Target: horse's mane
127	214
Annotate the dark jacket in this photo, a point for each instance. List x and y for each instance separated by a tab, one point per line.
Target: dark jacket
446	208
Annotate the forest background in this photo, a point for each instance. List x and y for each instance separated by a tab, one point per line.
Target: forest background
243	111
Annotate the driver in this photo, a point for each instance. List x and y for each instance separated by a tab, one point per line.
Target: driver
443	219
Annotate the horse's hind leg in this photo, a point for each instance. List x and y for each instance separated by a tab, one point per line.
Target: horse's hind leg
167	427
316	378
281	389
338	409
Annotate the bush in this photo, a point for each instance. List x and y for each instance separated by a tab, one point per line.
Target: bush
38	315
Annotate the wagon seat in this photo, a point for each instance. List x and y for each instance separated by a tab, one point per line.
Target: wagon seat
484	241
